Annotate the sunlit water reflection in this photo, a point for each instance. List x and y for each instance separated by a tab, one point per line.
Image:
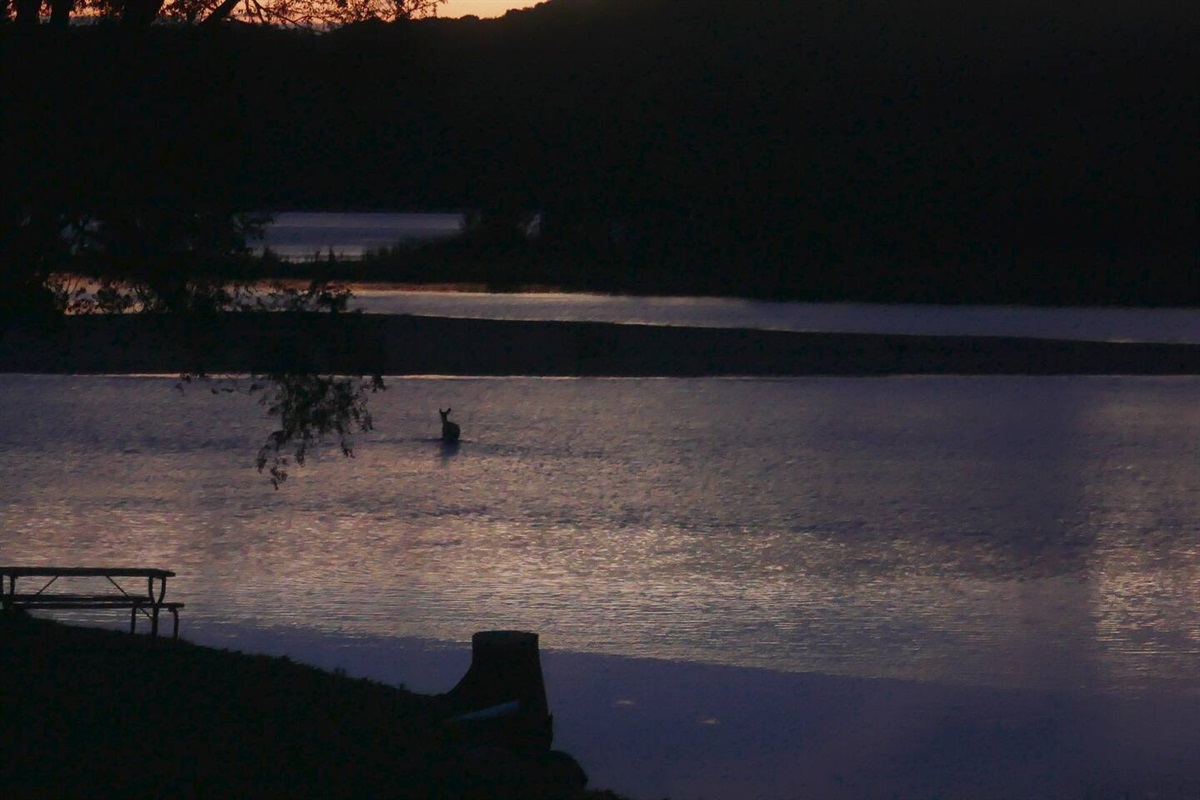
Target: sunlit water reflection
1176	325
1017	532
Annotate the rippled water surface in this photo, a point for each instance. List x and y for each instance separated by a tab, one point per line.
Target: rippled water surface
1018	532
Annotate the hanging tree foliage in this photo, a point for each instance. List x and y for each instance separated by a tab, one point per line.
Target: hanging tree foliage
193	267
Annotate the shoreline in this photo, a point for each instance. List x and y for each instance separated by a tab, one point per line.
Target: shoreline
85	706
648	728
385	344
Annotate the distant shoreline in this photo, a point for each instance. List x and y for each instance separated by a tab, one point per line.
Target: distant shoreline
417	345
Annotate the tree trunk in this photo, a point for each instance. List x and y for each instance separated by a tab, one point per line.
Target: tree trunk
27	12
140	13
221	12
60	12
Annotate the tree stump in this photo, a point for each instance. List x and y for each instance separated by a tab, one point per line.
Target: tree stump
505	667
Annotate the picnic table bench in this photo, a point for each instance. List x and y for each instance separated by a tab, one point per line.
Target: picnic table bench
149	603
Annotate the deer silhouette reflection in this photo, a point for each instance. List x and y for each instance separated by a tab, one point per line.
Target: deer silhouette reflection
450	430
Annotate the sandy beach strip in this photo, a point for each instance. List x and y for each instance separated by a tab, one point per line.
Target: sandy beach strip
416	345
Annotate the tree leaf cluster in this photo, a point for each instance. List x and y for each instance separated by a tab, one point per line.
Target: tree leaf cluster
311	408
313	14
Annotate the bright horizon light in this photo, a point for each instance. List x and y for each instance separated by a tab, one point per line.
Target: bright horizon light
481	8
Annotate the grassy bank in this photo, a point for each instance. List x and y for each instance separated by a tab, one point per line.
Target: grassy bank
96	713
409	345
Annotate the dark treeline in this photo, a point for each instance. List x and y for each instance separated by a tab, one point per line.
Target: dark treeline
1015	151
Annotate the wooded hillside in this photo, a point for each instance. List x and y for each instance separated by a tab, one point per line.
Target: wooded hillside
1016	152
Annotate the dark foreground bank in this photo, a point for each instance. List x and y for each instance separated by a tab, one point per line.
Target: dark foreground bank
412	345
96	713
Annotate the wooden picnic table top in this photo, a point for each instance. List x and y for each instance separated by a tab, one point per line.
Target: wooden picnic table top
98	572
148	604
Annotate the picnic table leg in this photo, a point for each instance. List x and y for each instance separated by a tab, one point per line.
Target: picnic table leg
175	630
133	619
154	622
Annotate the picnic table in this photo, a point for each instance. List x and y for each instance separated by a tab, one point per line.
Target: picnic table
149	603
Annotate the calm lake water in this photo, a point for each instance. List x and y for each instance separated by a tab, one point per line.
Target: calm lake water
1027	534
300	235
1097	324
1030	532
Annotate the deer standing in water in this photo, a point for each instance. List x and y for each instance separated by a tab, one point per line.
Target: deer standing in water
450	429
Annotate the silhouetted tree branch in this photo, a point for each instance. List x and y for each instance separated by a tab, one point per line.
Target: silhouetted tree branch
311	408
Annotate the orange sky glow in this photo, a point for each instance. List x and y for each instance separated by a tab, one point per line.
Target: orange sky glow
481	8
